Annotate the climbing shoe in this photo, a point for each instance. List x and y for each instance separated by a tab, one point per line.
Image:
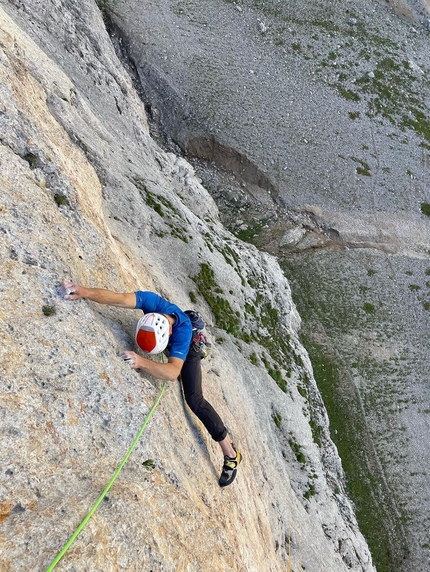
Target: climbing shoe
229	469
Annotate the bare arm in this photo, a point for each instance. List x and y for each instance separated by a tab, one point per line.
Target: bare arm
123	300
169	370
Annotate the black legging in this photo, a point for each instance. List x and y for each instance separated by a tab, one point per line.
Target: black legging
191	378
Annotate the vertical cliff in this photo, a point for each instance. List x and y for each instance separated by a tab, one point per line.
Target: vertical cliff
87	194
308	122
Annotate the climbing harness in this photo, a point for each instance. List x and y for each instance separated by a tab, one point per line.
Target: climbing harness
199	342
111	482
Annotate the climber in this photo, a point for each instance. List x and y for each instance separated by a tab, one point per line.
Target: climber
164	326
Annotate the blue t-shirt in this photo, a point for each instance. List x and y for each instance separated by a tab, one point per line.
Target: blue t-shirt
180	338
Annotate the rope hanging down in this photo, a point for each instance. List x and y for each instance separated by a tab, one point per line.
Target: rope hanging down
111	482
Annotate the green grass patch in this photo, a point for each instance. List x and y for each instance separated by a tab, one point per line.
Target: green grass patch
251	232
310	492
277	419
425	209
348	94
61	200
49	310
348	429
225	318
192	297
369	308
253	358
295	447
363	482
363	168
276	342
32	160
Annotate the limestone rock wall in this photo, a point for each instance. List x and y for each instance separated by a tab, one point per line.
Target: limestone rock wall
86	193
318	110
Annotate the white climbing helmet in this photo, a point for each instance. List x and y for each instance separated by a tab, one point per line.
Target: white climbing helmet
152	333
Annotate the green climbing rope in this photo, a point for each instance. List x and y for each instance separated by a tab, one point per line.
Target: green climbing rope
111	482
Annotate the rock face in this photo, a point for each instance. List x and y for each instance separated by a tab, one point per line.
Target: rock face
308	122
86	193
